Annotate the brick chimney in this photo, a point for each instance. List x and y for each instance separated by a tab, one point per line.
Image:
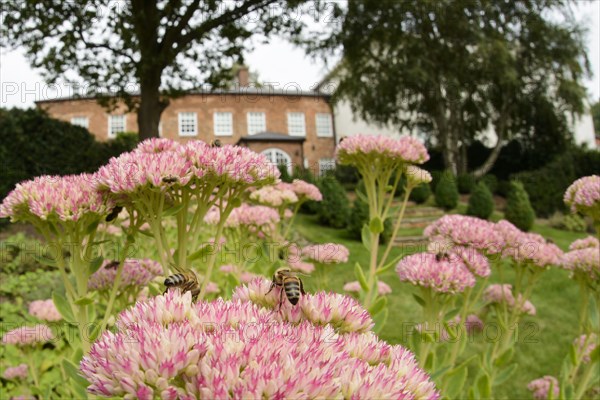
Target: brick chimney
242	76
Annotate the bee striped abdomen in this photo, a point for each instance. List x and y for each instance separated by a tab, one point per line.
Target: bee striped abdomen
292	289
175	280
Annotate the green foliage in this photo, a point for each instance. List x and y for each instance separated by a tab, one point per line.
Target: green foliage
518	207
284	173
466	183
446	192
359	216
58	148
346	174
491	181
335	207
547	185
595	111
481	202
421	193
436	177
569	222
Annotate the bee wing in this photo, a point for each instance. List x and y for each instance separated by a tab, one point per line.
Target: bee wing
177	268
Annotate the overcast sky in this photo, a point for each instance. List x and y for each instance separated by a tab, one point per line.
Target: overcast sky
277	62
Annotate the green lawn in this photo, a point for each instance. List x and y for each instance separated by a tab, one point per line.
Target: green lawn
544	339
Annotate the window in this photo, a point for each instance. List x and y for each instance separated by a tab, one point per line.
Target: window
326	164
84	122
188	124
223	122
296	125
256	122
324	125
278	157
116	124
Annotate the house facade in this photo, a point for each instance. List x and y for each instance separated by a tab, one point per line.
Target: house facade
290	127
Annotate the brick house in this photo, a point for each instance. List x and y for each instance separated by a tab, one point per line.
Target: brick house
291	127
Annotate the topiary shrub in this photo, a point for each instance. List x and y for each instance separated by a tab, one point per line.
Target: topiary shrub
436	176
335	207
481	202
446	192
421	193
359	217
491	181
465	183
518	207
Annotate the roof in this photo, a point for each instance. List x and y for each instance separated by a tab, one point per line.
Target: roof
271	137
263	91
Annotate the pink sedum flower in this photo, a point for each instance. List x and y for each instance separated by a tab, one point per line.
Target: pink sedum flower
459	230
18	372
585	260
584	196
302	266
246	277
586	243
445	276
228	269
275	195
540	387
362	149
257	218
327	253
28	335
500	294
66	198
170	348
382	287
585	345
528	248
156	145
416	176
306	191
44	310
136	272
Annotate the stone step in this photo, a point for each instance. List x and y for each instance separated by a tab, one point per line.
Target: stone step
424	212
410	240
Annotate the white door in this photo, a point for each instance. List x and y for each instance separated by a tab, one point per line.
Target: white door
278	157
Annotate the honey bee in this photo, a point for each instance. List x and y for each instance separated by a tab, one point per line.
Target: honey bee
170	179
112	265
114	213
186	281
215	143
290	283
442	256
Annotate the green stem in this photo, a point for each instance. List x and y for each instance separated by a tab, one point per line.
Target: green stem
396	228
588	374
289	226
213	255
372	294
33	369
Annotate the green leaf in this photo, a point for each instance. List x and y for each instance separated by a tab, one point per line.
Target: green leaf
358	272
365	235
77	355
484	386
378	306
419	300
573	355
380	321
452	330
595	355
430	361
451	314
362	196
376	225
388	266
73	372
505	374
236	202
145	233
594	316
63	307
95	264
504	358
202	253
172	210
456	381
82	301
44	260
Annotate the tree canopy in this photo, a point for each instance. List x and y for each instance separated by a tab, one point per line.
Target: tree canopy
458	68
158	48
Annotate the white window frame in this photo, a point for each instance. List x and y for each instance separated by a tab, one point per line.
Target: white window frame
112	117
193	121
221	123
251	122
320	133
273	151
82	121
292	124
329	162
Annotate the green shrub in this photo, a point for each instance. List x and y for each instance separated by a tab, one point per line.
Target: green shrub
33	144
481	202
503	188
284	174
446	193
421	193
465	183
569	222
518	207
491	181
346	174
359	217
436	176
335	207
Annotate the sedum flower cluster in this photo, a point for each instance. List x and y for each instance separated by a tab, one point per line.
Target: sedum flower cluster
540	387
44	310
170	348
136	272
28	335
584	196
583	257
502	294
18	372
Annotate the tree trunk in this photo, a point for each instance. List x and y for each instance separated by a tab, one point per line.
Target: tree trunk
491	160
150	108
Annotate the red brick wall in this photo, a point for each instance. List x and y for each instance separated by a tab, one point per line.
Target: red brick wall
275	108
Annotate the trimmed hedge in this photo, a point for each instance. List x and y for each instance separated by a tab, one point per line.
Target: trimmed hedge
518	207
33	144
446	192
421	193
481	202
